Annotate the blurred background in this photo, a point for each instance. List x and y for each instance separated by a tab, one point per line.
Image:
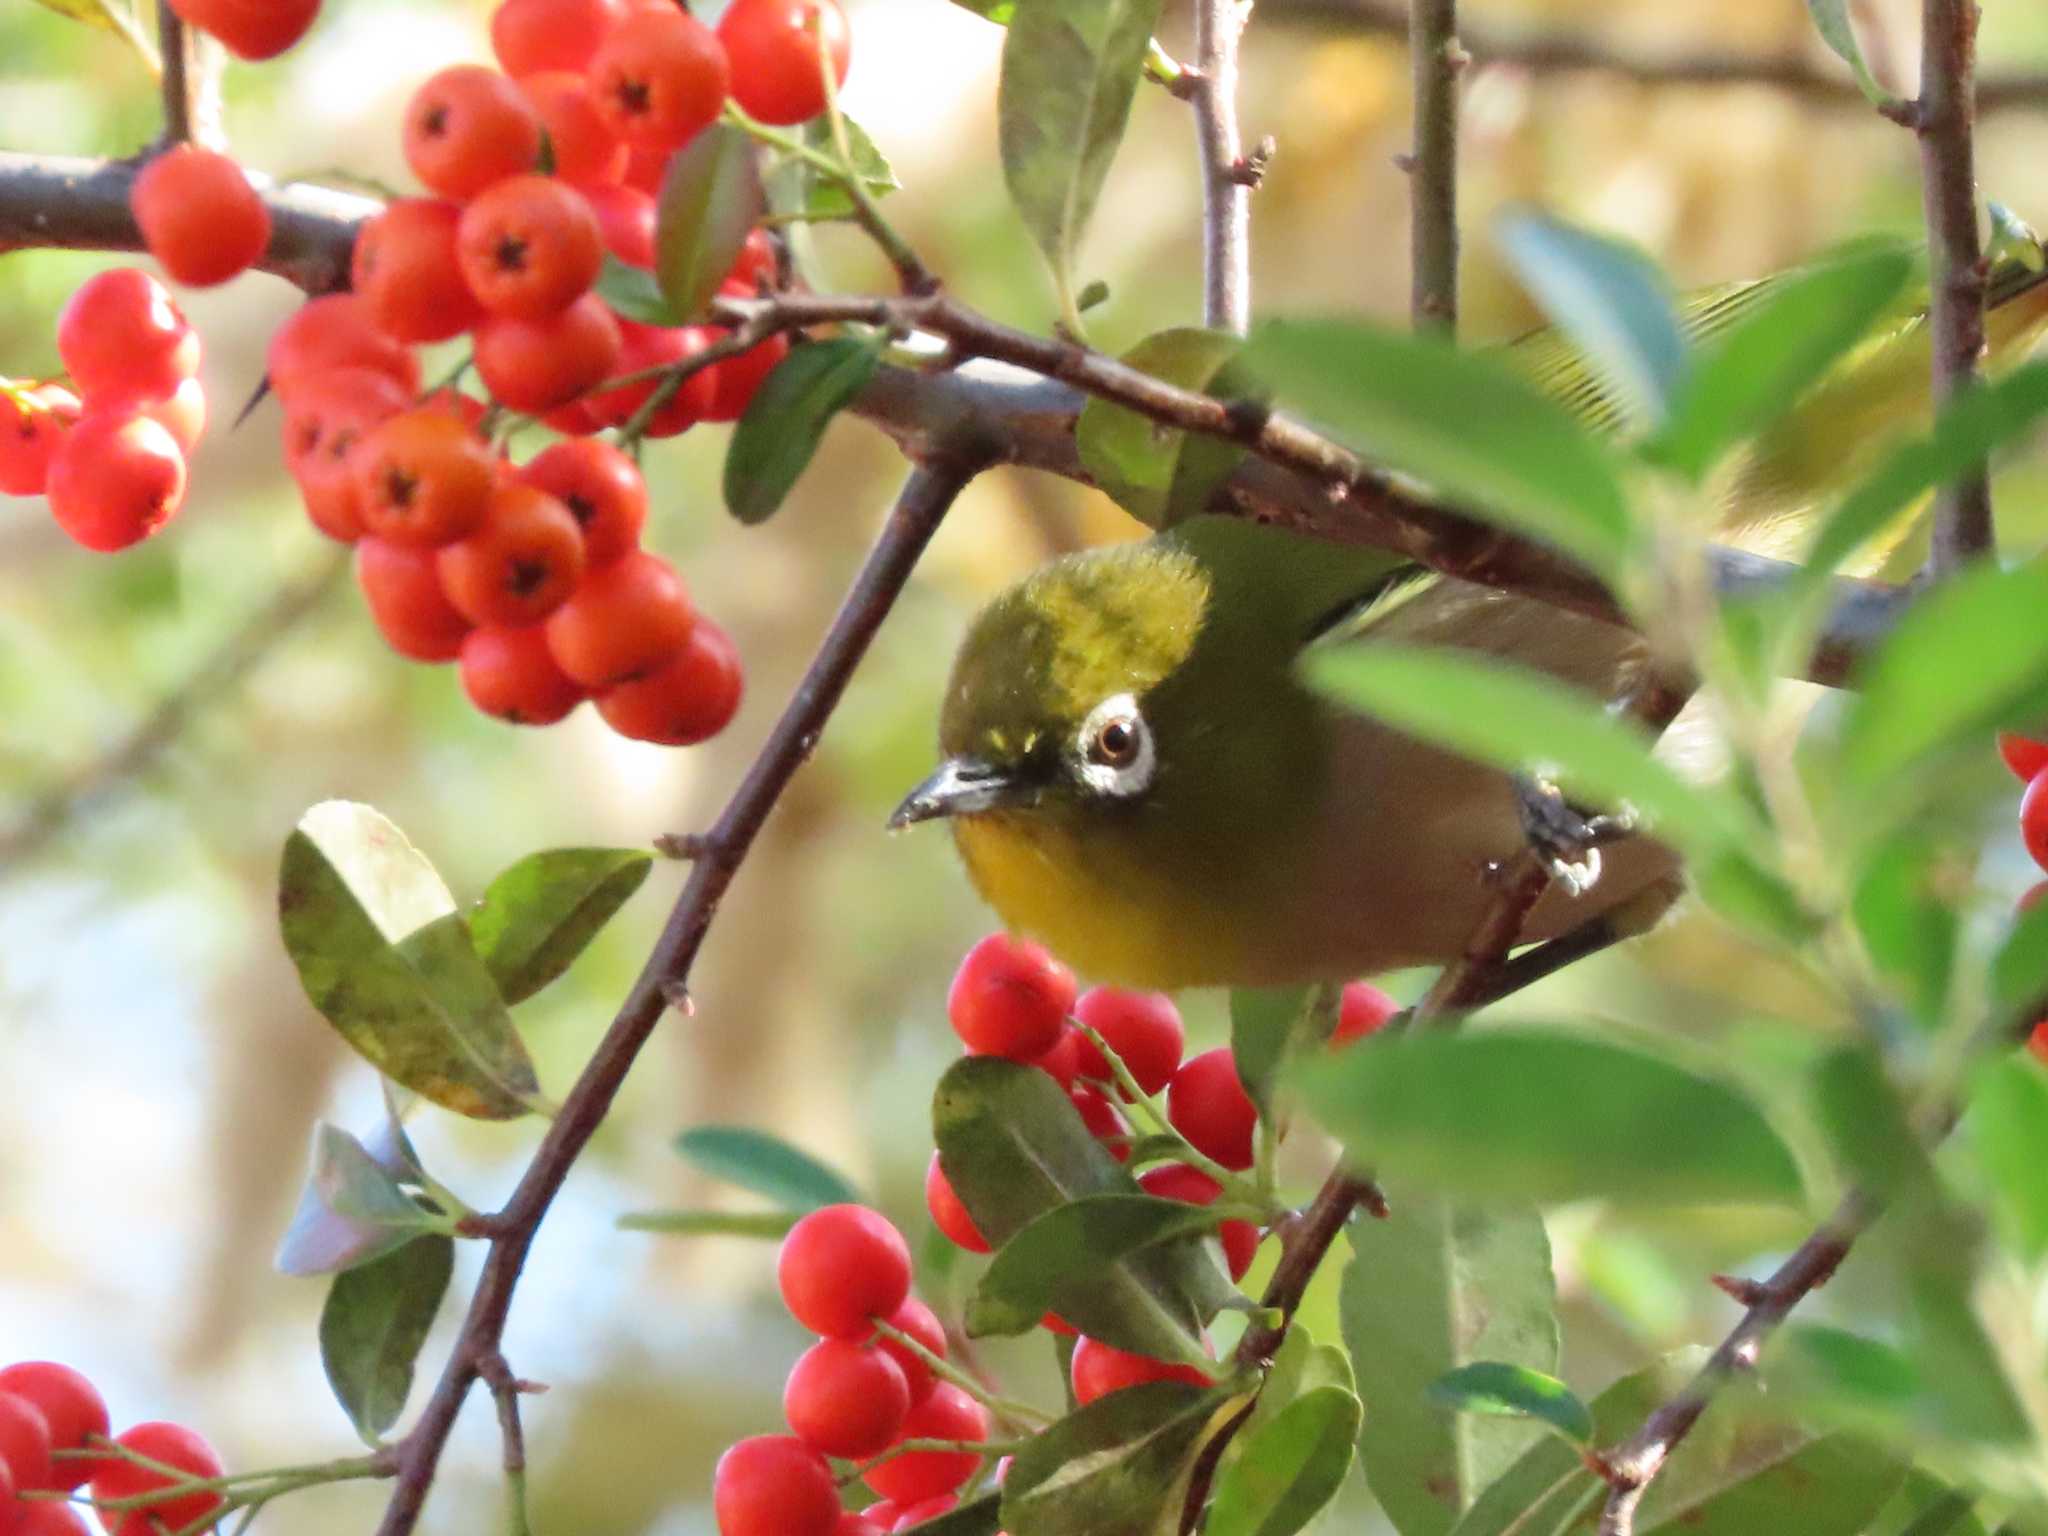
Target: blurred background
160	1070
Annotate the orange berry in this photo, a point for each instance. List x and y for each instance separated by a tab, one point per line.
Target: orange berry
199	216
627	618
326	417
115	479
586	151
251	29
529	36
774	48
423	478
468	127
536	365
659	78
509	674
121	331
336	330
403	590
520	564
29	434
689	698
602	489
529	247
405	271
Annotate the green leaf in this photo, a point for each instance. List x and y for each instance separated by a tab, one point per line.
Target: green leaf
388	962
2019	969
1072	1260
772	1225
1111	1468
1070	70
1925	1506
786	420
538	916
766	1164
1267	1025
1773	355
1014	1148
1831	20
1867	1124
2008	1127
797	188
374	1322
1610	299
1434	1287
1501	1390
1970	656
1524	721
1905	909
632	292
1464	423
711	199
1289	1467
1161	474
367	1179
1521	1113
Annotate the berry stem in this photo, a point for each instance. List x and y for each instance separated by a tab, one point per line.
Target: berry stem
986	1449
1017	1415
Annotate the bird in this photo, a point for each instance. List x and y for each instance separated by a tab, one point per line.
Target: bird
1136	775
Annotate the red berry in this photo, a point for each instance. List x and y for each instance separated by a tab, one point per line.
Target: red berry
738	379
946	1414
919	1322
1208	1105
403	589
689	698
1102	1120
948	1214
71	1408
199	216
2033	804
754	267
659	78
536	365
926	1509
880	1515
841	1267
2023	754
422	477
327	416
777	72
405	271
627	618
774	1485
467	128
532	35
509	674
45	1518
25	1444
336	330
121	331
1363	1008
1143	1028
29	436
1010	998
182	412
174	1445
625	218
529	247
251	29
520	564
845	1399
1177	1181
2037	1042
1063	1062
1100	1369
601	487
586	151
115	480
656	346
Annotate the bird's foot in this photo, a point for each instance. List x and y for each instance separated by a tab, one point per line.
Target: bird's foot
1567	838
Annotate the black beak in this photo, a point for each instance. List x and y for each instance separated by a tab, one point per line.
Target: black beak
960	787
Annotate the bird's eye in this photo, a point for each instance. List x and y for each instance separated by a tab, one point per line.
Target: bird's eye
1114	748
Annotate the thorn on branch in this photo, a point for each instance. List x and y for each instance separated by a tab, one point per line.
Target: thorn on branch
1745	1292
677	995
687	846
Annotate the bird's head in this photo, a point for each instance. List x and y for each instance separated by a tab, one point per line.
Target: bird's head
1061	698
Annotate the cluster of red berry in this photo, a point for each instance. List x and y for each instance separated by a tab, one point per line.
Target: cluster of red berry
1011	998
48	1414
854	1394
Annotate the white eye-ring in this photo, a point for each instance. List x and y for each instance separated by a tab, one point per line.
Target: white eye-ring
1114	751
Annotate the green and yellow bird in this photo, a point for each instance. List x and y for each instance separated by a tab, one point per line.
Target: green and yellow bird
1136	776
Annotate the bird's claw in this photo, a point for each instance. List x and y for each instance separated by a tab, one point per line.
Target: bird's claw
1566	838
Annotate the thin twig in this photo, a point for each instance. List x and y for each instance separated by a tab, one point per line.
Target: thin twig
930	491
1226	194
505	1389
1943	118
245	648
174	45
1567	51
1435	61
